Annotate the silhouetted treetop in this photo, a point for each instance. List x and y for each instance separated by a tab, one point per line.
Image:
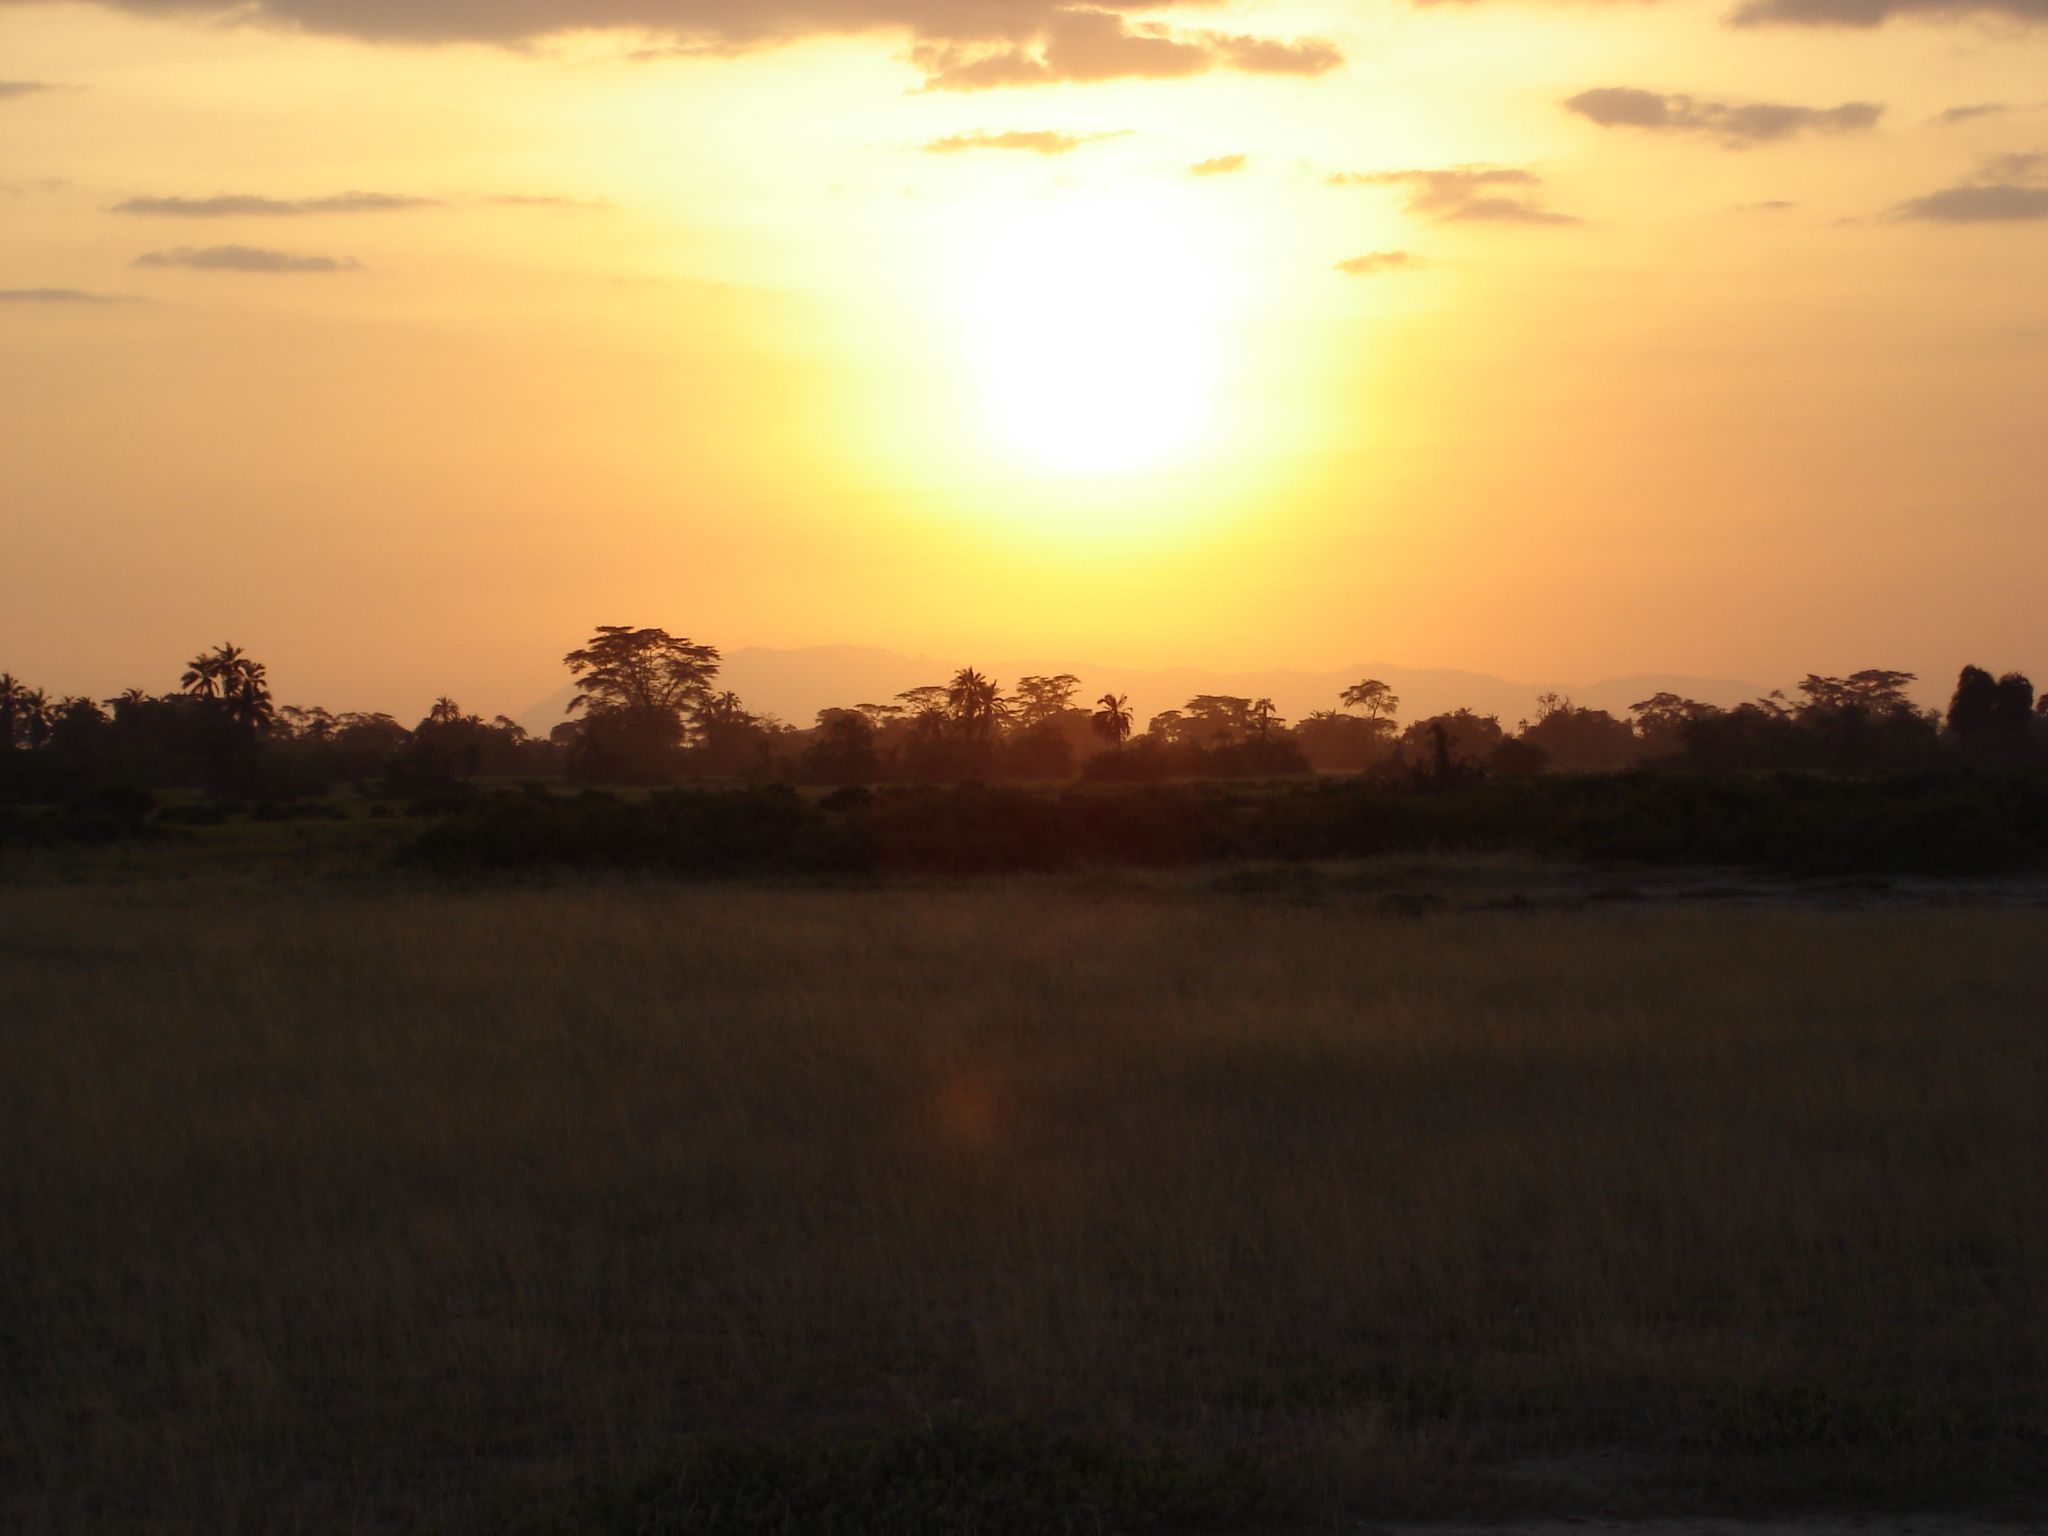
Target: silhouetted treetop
624	668
1374	697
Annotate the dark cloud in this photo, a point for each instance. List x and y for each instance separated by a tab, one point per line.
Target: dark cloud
10	89
55	296
1768	205
1997	202
245	258
1463	194
1372	263
228	205
960	44
1088	45
1736	126
1871	13
2007	189
1222	165
1034	142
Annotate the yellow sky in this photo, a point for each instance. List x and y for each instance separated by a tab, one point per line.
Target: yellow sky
720	341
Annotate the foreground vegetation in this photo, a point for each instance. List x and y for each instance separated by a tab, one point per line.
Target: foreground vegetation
1076	1204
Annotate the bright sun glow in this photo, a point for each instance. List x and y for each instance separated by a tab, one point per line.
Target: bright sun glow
1094	330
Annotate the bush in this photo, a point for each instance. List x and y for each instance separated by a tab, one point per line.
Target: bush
1804	824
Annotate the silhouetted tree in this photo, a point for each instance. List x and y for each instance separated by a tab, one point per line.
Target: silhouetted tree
843	751
1571	737
12	692
1112	718
635	688
1661	719
1337	742
1375	698
1984	710
1459	737
32	712
1039	699
976	702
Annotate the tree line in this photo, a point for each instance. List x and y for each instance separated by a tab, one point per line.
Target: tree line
647	709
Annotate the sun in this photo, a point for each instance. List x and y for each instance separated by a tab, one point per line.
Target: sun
1093	333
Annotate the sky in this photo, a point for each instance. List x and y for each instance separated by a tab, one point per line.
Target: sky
404	341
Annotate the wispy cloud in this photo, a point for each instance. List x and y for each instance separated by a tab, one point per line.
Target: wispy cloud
1872	13
1033	142
241	205
544	200
57	296
11	90
1463	193
1966	113
1373	263
1222	165
245	258
1735	125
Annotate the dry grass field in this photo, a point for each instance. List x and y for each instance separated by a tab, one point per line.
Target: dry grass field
341	1205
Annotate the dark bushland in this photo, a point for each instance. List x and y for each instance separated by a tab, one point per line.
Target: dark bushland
1937	823
993	1478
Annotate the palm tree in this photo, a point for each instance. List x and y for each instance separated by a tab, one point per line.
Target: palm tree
11	695
32	710
1112	719
976	701
247	698
1264	717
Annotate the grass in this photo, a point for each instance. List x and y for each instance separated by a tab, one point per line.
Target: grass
344	1205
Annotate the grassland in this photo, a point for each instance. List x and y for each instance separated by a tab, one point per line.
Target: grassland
343	1204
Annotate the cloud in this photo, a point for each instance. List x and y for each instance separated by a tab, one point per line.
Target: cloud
231	205
1462	194
1035	142
1871	13
1091	45
245	258
958	44
1963	114
1993	203
56	296
2007	189
2030	165
1736	126
543	200
1222	165
11	89
1372	263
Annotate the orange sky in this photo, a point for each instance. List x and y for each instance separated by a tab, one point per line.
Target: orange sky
402	341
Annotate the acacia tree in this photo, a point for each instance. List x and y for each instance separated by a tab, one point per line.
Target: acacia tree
1379	701
621	668
1040	699
634	688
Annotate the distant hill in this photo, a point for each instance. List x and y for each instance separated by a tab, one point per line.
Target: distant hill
796	684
